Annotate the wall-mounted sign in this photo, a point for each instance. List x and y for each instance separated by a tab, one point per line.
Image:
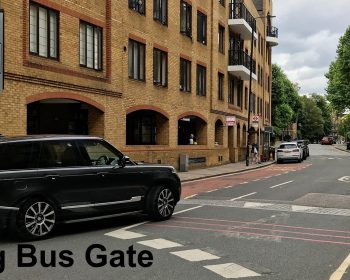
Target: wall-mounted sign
230	120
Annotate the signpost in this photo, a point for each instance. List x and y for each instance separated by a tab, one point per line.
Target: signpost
2	58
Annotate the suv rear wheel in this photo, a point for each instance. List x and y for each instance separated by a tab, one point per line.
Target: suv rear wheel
160	203
35	219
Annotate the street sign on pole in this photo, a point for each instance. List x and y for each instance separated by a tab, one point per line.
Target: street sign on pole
2	58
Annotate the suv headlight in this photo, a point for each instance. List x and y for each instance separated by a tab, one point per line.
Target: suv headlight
173	170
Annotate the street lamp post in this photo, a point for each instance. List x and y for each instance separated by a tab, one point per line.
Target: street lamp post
250	92
250	84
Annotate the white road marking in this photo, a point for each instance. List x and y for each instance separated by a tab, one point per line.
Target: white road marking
339	273
299	208
278	174
124	234
228	187
160	243
190	196
344	179
186	210
268	177
275	186
256	180
195	255
212	190
134	225
244	183
249	194
256	204
231	270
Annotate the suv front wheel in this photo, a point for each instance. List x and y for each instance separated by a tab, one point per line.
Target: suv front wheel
35	219
160	203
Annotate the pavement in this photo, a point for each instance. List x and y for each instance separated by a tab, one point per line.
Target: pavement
341	147
225	169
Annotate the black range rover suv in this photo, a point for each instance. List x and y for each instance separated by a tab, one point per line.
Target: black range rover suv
45	180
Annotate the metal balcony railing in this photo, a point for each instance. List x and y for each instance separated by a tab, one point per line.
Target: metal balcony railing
240	57
239	11
272	31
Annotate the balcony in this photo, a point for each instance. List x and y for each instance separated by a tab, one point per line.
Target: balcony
239	65
272	36
241	21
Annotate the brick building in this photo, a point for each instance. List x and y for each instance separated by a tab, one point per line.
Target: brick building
143	74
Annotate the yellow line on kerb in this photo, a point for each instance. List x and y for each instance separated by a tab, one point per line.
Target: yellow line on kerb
339	273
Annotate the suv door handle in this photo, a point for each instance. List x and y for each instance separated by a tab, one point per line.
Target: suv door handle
102	174
52	177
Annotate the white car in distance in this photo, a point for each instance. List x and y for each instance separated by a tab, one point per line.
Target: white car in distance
289	151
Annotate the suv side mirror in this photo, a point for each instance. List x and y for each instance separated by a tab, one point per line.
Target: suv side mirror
122	161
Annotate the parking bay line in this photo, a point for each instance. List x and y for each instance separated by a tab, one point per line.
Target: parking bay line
275	186
339	273
249	194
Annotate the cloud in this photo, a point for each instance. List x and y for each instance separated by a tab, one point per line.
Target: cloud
309	32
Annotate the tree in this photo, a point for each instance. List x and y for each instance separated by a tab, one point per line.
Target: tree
285	100
344	126
338	88
326	110
311	120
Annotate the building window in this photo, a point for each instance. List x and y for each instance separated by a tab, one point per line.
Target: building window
231	92
185	75
201	28
220	86
160	11
186	19
90	46
222	2
221	39
138	6
246	98
201	80
43	31
239	94
160	68
136	60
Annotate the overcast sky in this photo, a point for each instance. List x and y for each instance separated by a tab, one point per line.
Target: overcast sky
308	32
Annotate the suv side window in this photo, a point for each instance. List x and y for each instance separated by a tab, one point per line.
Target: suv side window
18	155
98	153
60	154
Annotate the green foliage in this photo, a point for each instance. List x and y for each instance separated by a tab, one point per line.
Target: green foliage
344	126
311	120
285	99
338	89
326	110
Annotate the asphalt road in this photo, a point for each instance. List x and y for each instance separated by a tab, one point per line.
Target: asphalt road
287	221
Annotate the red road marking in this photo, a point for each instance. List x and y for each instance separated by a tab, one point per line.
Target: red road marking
196	187
266	229
251	233
264	224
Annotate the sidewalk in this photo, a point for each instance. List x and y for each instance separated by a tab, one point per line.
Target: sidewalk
341	147
230	168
